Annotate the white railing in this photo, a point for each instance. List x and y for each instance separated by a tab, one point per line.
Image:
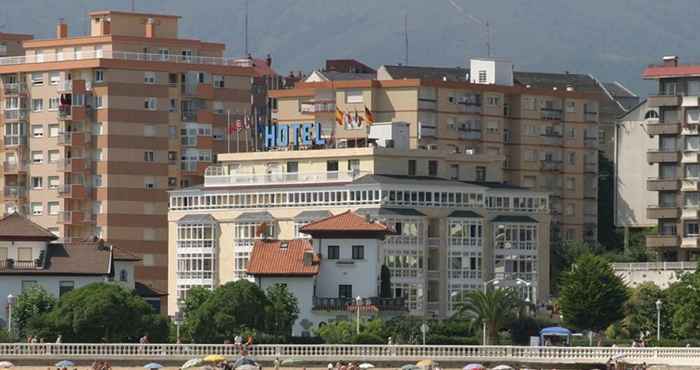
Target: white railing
281	178
125	55
654	266
326	353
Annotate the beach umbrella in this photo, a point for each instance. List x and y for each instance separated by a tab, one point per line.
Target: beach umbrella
425	363
247	367
6	364
64	363
474	367
502	367
366	365
192	363
292	361
410	367
153	365
244	361
214	359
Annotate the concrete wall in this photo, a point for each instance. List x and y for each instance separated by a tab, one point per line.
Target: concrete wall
363	274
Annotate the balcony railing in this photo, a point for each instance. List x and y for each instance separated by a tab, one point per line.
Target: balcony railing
280	178
13	88
551	113
510	276
661	184
551	165
10	264
15	191
14	140
428	130
655	266
14	167
16	114
346	304
126	55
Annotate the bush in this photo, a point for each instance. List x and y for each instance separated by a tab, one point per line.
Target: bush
521	330
305	340
367	338
438	339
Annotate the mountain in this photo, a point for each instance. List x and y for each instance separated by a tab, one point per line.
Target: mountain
613	40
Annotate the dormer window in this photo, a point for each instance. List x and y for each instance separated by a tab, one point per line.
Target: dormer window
123	276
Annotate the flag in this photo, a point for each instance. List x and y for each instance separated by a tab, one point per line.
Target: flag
339	116
369	117
357	120
238	124
348	120
246	121
231	129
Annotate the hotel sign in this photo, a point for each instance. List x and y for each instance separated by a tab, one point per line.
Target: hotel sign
282	136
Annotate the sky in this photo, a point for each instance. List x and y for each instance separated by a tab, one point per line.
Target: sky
612	39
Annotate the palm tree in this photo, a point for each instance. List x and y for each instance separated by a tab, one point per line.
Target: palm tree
497	308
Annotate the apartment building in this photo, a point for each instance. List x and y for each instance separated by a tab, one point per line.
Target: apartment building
98	127
671	121
548	136
457	224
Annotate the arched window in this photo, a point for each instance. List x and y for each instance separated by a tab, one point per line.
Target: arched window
123	275
651	114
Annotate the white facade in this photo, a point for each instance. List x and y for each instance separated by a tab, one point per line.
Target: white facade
491	71
359	273
302	288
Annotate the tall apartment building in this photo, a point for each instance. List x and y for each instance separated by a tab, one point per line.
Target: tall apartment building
667	128
548	136
97	127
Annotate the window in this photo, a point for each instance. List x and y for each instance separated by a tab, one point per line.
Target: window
572	158
65	287
172	78
345	291
53	130
97	155
173	105
570	183
333	252
97	181
123	276
292	167
481	174
99	75
411	167
37	182
218	107
54	78
37	79
149	156
692	229
172	157
28	284
172	132
569	209
149	78
54	156
37	105
53	208
353	96
493	100
150	103
358	252
432	168
37	157
53	182
332	166
492	127
454	171
692	171
482	77
98	102
172	182
571	132
353	165
53	103
37	209
38	130
149	182
570	106
218	81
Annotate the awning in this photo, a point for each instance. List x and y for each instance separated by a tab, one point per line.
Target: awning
255	217
515	219
313	215
464	214
555	331
197	219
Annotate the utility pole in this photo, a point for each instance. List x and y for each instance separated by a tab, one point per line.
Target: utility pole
405	33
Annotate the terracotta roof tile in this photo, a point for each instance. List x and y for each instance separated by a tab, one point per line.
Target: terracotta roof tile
18	227
84	258
122	255
345	222
270	259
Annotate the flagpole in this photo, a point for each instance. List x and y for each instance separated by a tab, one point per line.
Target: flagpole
228	131
238	135
247	131
255	138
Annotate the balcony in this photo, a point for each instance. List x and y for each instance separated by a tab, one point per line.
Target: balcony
590	117
471	134
552	138
72	191
427	130
656	184
10	168
662	241
71	217
14	140
212	178
590	142
690	185
189	116
656	212
689	242
551	165
72	112
656	101
71	138
690	157
512	276
73	86
10	264
317	107
664	129
551	114
369	305
72	165
16	114
13	88
655	266
663	156
15	192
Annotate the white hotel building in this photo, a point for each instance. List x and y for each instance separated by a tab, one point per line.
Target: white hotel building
457	225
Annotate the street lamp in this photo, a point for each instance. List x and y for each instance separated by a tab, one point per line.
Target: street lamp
658	320
11	300
178	322
527	284
358	300
486	284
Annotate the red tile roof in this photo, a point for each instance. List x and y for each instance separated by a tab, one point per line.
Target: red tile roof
345	222
270	259
671	71
18	227
83	258
122	255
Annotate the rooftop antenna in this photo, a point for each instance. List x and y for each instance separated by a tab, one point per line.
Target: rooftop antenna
245	28
405	34
478	21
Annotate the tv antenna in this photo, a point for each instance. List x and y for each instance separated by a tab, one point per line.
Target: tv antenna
477	20
405	34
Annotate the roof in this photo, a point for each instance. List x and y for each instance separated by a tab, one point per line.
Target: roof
344	76
346	223
384	211
496	185
255	216
147	291
405	180
83	258
518	219
426	73
108	12
260	68
464	214
313	215
197	219
270	259
17	227
119	254
652	72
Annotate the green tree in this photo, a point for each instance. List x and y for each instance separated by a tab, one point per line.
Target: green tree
385	282
640	310
336	332
591	296
232	308
31	304
683	306
282	310
102	312
563	255
497	308
196	297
